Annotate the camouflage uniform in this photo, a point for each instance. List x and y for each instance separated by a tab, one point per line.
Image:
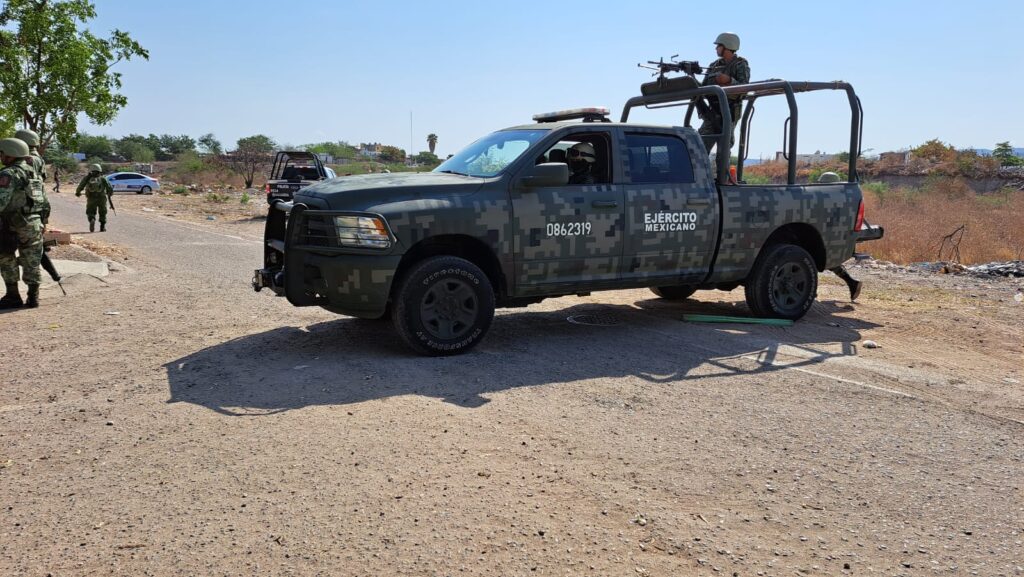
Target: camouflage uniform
739	70
581	174
97	193
21	211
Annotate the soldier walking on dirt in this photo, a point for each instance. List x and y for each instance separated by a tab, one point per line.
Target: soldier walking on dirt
22	206
729	69
97	194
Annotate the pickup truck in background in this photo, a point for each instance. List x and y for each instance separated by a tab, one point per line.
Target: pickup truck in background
500	225
292	171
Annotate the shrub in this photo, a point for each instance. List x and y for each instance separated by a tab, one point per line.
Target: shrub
756	178
217	198
180	190
189	162
245	198
916	220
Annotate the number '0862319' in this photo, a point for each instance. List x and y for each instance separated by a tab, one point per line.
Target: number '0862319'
568	228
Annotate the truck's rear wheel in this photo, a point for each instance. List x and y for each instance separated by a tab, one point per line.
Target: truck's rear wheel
444	305
783	284
674	293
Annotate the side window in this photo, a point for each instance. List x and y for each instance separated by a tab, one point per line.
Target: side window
657	158
598	171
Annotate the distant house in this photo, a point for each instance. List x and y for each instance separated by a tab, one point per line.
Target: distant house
901	157
816	158
371	150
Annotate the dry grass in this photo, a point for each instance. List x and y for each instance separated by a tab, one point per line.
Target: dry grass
917	220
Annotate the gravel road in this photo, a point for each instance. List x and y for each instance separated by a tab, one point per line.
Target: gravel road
166	420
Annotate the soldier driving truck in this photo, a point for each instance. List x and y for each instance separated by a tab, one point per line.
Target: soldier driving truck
502	224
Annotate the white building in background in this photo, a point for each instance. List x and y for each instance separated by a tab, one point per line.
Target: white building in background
817	158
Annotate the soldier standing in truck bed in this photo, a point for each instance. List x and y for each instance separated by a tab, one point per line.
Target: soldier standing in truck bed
729	69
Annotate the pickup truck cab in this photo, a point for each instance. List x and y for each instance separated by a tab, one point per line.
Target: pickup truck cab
292	171
500	225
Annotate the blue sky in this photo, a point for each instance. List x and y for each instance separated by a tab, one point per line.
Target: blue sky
313	71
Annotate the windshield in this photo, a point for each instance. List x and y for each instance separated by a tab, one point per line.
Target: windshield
492	153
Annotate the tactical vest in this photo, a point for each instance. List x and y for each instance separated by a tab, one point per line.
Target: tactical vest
37	202
39	165
28	199
94	187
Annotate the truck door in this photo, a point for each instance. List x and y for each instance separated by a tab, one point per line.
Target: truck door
570	235
671	208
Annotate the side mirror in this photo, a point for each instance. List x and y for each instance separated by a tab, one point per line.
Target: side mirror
547	174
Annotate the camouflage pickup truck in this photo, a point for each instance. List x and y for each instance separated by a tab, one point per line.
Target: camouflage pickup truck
292	171
501	224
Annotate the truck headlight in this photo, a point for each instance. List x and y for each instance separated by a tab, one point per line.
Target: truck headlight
362	232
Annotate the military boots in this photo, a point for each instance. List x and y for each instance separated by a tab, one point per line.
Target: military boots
12	300
92	225
33	297
103	227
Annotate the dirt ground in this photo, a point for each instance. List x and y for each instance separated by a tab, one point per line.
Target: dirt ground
156	424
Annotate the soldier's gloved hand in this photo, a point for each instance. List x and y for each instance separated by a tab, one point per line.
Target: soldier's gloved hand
78	194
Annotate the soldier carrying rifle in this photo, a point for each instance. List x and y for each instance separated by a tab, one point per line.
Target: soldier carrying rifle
98	193
727	70
23	213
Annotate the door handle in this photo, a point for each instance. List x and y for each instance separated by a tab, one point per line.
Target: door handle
604	204
698	202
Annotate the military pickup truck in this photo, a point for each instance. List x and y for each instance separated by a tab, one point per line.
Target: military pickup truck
500	225
292	171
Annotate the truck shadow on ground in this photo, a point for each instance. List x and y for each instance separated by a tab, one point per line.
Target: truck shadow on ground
348	361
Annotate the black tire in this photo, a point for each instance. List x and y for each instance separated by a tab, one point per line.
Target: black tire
444	305
145	190
674	293
783	284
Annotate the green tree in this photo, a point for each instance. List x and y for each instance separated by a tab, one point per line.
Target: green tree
935	150
340	149
252	154
432	142
428	158
53	69
94	146
392	154
134	151
56	156
210	144
1004	153
173	146
133	145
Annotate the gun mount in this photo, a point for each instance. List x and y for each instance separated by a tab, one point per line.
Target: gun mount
686	91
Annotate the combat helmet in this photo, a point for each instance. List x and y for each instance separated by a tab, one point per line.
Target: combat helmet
729	40
582	151
95	168
30	138
14	147
828	177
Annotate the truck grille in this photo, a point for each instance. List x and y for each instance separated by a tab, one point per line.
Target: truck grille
318	231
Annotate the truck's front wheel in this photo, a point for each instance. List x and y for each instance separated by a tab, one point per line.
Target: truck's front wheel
444	305
783	284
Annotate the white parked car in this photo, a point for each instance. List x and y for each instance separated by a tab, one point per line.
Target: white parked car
133	182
